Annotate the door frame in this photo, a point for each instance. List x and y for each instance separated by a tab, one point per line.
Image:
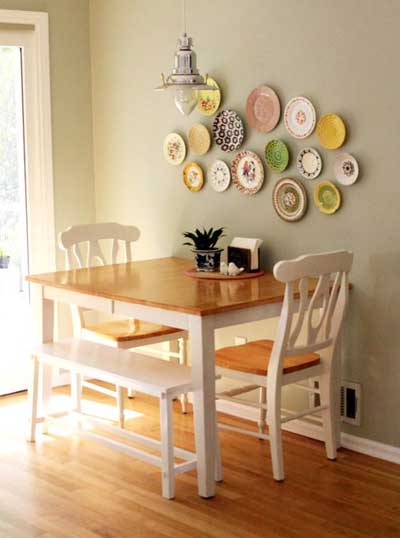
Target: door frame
38	136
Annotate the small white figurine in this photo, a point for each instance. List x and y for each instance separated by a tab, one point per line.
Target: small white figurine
234	270
223	268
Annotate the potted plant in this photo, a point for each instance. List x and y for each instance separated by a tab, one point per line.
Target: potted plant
206	254
4	259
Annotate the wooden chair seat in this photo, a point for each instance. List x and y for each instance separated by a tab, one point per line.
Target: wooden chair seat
253	358
124	330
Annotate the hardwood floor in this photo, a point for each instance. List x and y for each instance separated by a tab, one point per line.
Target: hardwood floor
64	486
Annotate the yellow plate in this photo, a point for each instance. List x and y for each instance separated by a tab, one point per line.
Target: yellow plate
327	197
199	139
331	131
193	176
209	100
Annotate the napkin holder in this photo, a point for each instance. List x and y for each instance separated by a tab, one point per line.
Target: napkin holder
245	252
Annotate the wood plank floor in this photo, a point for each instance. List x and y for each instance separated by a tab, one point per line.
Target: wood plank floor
64	486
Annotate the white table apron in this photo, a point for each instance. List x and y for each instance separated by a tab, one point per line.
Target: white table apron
201	334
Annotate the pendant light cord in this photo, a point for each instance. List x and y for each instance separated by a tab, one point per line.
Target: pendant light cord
184	15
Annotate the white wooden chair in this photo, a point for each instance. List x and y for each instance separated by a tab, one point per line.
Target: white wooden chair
270	365
163	379
119	333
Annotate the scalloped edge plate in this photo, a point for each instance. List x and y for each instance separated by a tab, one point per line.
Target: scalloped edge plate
234	169
283	148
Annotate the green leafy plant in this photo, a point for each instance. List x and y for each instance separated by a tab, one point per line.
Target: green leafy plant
204	240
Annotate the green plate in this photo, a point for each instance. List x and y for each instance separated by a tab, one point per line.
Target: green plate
327	197
277	155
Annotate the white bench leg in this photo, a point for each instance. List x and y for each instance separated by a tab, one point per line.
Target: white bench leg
120	406
76	392
167	448
33	393
183	360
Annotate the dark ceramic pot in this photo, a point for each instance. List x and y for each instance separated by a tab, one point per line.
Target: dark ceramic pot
208	260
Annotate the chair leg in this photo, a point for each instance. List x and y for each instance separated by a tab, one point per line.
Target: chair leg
275	430
131	393
329	416
33	393
167	448
76	392
218	463
120	405
183	360
263	411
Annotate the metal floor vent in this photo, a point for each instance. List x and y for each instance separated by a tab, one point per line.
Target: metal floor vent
350	402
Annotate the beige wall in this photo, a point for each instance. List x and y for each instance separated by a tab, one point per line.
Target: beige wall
343	54
71	107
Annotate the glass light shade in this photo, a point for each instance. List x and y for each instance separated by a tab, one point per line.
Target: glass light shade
186	99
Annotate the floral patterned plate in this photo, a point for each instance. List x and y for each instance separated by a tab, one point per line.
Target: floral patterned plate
277	155
327	197
193	176
199	139
309	163
290	199
209	100
228	130
174	149
331	131
247	172
263	109
346	169
300	117
219	175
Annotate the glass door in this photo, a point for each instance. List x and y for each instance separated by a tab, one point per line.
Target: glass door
15	332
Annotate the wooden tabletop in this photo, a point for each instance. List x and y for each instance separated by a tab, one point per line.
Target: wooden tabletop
162	283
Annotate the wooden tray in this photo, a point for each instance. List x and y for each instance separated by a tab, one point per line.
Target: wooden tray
219	276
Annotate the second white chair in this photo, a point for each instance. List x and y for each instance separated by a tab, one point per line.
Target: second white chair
119	333
270	365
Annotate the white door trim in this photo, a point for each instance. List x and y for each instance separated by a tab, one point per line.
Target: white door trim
38	136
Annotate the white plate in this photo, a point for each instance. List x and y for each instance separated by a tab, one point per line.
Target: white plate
174	149
300	117
309	163
219	176
346	169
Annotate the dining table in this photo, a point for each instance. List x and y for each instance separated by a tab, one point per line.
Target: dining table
159	291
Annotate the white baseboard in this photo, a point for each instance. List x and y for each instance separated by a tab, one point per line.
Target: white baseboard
352	442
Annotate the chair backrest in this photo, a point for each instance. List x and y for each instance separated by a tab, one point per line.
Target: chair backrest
320	313
90	234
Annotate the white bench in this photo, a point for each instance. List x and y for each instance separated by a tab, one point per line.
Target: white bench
124	368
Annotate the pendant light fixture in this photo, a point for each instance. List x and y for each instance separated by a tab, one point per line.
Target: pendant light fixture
185	79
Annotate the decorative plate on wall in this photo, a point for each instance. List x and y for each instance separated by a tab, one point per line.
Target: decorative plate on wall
309	163
247	172
263	109
346	169
300	117
331	131
228	130
209	100
193	176
199	139
290	199
327	197
219	176
174	149
277	155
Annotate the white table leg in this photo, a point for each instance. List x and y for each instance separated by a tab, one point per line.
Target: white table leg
201	334
43	318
